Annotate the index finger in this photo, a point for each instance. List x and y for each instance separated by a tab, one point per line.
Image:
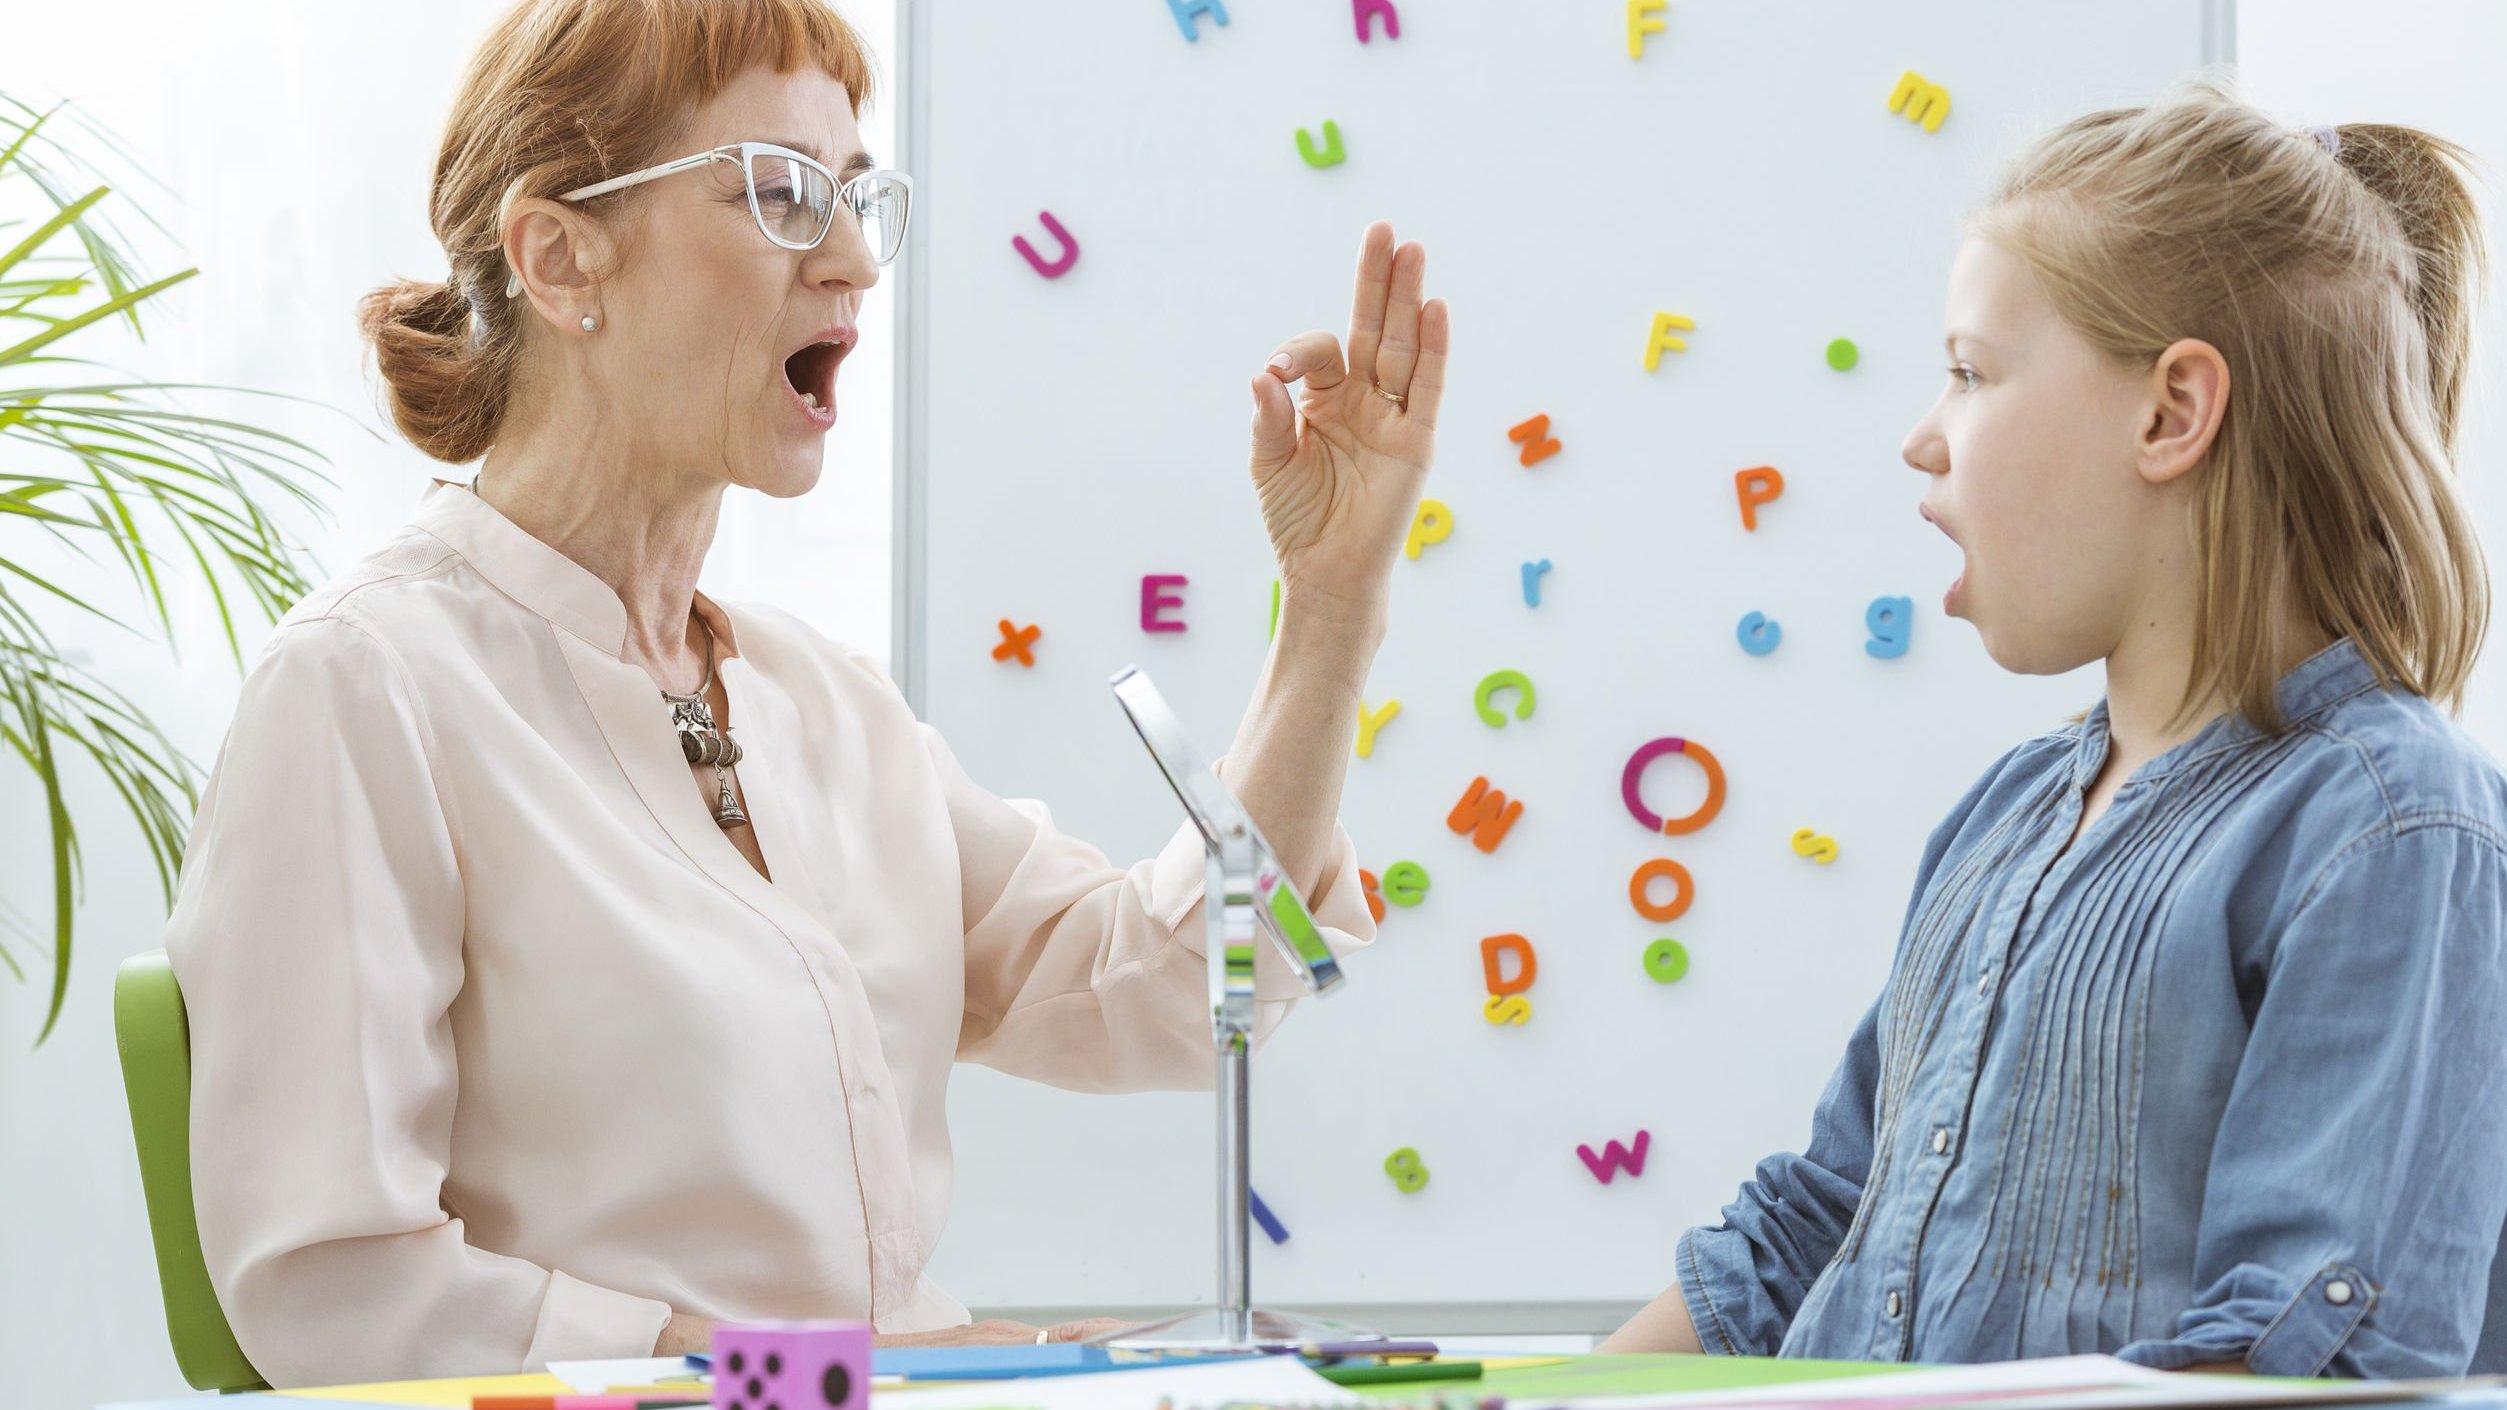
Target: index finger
1375	287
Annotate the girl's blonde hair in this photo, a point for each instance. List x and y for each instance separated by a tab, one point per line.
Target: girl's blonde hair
561	94
2336	271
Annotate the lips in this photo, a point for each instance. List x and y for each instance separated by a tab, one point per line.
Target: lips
810	368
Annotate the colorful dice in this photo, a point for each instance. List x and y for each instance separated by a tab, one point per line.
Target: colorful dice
792	1366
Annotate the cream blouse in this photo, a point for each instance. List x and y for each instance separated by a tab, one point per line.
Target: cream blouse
502	1051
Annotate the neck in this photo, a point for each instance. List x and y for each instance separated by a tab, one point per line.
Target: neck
643	530
2147	675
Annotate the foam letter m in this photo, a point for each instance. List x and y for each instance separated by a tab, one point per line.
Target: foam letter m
1920	99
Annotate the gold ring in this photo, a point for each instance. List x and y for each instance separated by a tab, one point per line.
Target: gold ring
1395	398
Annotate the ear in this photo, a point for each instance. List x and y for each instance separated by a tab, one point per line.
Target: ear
2188	399
555	251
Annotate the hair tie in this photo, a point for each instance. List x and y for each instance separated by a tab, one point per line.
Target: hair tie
2327	138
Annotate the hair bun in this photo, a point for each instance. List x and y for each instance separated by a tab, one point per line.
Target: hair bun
446	392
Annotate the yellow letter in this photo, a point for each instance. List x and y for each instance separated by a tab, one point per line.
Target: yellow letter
1434	523
1662	338
1369	724
1641	23
1921	99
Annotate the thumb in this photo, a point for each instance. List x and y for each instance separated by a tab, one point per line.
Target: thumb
1274	422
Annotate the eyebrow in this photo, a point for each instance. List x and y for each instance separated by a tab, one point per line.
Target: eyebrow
1950	342
854	165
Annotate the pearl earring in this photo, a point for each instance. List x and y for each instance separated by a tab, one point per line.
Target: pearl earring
590	324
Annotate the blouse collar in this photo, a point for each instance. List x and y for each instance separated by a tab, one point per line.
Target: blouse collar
539	577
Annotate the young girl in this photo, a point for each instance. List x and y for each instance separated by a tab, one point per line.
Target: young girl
2194	1048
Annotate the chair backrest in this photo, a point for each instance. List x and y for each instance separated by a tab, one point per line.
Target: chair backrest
154	1036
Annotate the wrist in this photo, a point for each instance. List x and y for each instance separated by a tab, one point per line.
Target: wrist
1329	618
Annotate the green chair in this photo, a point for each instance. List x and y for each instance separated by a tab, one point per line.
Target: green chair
154	1035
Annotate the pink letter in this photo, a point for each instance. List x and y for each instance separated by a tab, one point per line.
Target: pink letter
1614	1156
1155	599
1364	10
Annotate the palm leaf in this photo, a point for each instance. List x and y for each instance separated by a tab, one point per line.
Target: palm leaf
119	471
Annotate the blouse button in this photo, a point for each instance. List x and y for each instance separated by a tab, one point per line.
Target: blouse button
2337	1292
1893	1304
1940	1140
1984	981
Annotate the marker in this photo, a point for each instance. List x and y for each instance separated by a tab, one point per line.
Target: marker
1406	1371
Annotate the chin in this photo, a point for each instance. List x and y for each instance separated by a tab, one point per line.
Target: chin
2025	653
789	479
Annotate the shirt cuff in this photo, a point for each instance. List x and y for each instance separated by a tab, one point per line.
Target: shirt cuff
2250	1316
582	1322
1711	1288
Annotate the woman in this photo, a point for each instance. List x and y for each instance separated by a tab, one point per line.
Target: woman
531	1018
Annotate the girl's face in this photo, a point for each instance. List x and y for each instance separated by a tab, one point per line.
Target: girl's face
2036	453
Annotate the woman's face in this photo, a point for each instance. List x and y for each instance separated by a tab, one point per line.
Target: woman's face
2032	455
707	326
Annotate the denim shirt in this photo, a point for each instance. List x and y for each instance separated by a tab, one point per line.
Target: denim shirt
2225	1080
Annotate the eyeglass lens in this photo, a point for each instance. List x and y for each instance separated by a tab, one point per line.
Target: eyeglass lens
796	203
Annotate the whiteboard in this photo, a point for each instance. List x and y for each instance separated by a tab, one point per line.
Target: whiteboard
1062	438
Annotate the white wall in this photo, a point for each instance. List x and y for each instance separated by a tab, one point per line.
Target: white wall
298	135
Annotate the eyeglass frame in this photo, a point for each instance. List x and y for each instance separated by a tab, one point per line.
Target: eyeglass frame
741	153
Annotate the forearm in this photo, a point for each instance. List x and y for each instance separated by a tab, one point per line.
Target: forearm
1292	752
1661	1325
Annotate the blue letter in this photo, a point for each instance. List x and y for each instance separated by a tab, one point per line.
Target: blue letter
1186	10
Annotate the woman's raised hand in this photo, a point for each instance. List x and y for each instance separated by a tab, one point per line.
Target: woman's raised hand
1339	466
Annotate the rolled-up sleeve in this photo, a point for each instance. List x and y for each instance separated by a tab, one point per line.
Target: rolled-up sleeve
1744	1279
1095	977
2354	1199
317	935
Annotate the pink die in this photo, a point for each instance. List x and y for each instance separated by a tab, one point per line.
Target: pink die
792	1366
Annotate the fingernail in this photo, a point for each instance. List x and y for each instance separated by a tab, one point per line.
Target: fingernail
1279	360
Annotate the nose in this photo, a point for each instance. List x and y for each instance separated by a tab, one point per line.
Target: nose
841	263
1925	449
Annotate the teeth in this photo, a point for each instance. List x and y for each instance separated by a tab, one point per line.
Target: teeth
811	398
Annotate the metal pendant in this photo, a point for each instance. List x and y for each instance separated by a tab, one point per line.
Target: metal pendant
727	812
709	748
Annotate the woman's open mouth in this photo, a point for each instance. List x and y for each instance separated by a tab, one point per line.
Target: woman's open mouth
810	374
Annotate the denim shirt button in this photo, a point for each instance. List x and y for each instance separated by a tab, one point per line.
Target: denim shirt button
2337	1292
1940	1140
1893	1304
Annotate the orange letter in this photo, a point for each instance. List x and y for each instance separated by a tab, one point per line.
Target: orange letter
1495	969
1485	814
1760	484
1684	891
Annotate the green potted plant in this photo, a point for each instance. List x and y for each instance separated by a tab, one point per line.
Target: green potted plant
120	472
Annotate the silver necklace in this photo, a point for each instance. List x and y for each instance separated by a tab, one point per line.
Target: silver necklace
702	743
